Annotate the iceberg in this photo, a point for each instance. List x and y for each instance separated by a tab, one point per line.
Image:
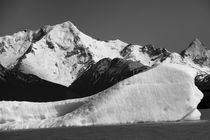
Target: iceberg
163	93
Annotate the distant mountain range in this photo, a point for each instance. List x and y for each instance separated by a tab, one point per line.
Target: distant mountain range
60	62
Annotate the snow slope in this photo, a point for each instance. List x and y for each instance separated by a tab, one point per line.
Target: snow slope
147	96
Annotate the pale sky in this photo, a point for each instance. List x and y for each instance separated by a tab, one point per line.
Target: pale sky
170	24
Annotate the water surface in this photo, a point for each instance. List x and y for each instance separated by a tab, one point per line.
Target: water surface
188	130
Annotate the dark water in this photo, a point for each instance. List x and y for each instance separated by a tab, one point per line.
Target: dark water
190	130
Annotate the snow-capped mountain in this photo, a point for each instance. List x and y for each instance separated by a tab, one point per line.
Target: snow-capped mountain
61	53
55	53
60	62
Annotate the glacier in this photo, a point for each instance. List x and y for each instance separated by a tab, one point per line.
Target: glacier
154	95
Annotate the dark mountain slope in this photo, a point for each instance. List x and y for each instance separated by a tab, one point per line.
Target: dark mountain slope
104	74
203	83
17	86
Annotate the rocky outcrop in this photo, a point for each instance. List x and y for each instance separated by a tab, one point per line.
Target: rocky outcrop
202	81
148	55
105	74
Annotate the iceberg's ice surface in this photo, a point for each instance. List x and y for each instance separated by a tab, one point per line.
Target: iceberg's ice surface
165	93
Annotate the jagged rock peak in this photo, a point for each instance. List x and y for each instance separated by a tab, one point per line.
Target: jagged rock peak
195	46
153	51
197	52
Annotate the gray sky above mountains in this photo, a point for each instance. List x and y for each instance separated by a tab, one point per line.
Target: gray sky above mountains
170	24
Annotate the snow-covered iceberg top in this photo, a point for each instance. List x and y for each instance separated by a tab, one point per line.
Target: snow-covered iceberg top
164	93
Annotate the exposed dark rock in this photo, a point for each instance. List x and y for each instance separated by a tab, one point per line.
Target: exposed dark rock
203	83
104	74
126	51
17	86
152	51
98	77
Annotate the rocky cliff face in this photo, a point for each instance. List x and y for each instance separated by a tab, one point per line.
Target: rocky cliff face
105	74
202	81
62	56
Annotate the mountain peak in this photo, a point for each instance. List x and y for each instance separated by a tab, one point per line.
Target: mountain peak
195	46
197	52
196	42
57	53
60	53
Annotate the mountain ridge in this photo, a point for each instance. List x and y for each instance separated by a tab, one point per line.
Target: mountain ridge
61	54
